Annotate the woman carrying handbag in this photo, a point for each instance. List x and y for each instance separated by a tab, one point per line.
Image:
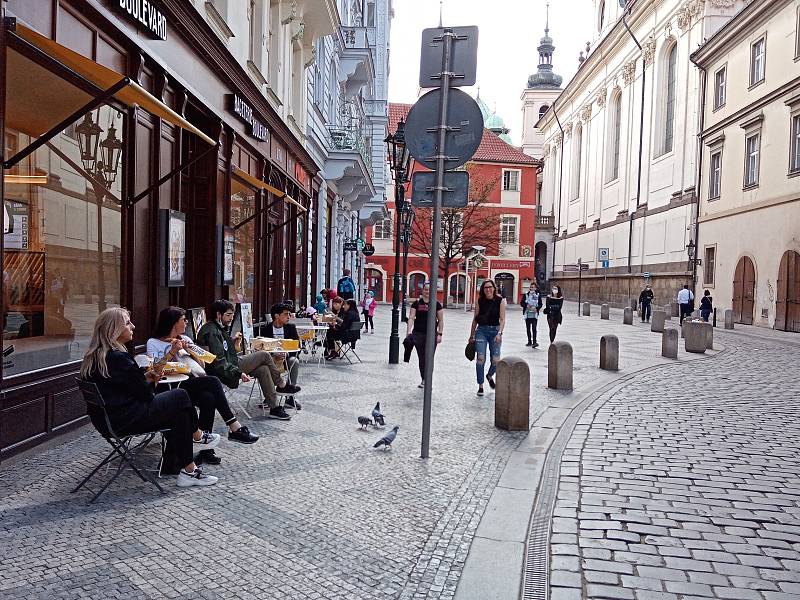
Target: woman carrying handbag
487	330
553	306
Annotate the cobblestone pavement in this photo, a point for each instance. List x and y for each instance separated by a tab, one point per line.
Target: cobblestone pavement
684	482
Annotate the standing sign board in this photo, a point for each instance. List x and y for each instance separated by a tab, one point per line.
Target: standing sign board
464	60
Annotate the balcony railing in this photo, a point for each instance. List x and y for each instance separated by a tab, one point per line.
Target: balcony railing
350	139
358	37
544	222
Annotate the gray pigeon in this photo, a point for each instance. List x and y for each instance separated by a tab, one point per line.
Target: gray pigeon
388	438
364	422
378	415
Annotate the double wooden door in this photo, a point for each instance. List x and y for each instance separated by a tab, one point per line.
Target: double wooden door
787	304
744	288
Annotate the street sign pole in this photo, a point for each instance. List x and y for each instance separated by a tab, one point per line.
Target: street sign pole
580	278
441	155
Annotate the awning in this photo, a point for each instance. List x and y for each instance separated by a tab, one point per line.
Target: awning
262	185
101	76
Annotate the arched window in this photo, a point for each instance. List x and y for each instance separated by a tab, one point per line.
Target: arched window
577	140
669	93
614	135
543	109
601	17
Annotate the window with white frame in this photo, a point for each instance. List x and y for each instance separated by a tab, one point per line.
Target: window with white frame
510	180
670	84
382	230
708	265
797	36
752	151
720	84
319	83
274	58
715	175
758	57
615	125
508	230
577	136
794	151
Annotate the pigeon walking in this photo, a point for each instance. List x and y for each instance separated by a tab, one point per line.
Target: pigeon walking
388	438
378	415
364	422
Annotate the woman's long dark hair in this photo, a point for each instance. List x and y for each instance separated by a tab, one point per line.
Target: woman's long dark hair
558	287
167	319
351	305
482	295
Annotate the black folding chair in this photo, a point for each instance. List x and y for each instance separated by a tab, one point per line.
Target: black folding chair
349	343
124	448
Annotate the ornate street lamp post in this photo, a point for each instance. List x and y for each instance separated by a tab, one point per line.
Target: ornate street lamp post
399	161
408	219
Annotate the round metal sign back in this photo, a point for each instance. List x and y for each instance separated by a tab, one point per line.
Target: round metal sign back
463	116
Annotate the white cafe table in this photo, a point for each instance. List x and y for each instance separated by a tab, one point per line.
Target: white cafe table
172	380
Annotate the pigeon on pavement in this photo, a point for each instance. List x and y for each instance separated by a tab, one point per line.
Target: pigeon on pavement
388	438
364	422
378	415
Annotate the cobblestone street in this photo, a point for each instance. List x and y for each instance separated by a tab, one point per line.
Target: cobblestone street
677	479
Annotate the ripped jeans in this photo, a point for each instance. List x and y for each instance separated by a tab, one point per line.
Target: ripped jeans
485	335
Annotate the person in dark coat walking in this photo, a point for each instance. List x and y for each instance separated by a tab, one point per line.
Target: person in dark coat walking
645	302
553	306
706	305
531	304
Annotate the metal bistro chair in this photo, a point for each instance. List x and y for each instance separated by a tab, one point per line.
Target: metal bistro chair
124	448
349	346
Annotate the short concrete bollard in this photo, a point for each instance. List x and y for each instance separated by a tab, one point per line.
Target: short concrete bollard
604	312
609	353
675	309
709	336
657	321
668	313
669	343
587	309
683	327
559	366
696	341
729	319
513	394
627	316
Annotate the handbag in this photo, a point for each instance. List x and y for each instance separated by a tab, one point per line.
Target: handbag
469	351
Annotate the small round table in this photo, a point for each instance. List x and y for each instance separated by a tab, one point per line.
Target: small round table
172	380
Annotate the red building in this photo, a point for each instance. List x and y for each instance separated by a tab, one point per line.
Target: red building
501	219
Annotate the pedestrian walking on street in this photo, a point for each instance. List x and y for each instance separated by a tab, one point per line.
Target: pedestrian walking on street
531	304
686	301
706	305
418	327
345	287
552	308
645	302
487	330
368	306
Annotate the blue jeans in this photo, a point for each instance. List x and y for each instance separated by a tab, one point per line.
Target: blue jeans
485	335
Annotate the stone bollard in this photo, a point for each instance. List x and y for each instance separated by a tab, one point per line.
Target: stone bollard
609	353
683	327
604	313
696	337
587	309
559	366
627	316
675	308
729	319
657	321
668	313
709	336
513	394
669	343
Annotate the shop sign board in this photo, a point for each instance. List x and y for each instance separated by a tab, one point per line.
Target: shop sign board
146	13
246	114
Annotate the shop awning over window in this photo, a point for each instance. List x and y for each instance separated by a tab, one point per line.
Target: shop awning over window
36	122
257	183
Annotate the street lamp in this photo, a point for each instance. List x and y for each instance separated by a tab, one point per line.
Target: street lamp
111	152
399	161
408	219
88	139
690	249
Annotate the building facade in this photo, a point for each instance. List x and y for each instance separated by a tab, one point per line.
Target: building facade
626	125
503	187
748	236
156	153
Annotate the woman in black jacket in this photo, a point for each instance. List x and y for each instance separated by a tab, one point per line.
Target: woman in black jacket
340	331
130	402
553	306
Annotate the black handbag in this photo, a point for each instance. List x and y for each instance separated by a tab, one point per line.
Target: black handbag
469	351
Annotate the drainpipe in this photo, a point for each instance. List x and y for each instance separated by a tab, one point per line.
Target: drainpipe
560	181
698	178
641	142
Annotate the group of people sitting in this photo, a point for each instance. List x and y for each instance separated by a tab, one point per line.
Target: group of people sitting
135	404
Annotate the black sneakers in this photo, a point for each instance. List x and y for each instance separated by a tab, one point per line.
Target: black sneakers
492	384
207	457
242	435
278	413
288	388
292	403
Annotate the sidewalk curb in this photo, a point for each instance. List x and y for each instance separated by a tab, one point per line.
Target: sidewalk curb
502	553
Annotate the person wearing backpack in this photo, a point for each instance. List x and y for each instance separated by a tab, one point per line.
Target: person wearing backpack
345	287
531	304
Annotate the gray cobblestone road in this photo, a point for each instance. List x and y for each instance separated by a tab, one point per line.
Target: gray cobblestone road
685	483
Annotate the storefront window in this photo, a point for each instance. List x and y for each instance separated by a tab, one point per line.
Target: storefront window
61	236
243	205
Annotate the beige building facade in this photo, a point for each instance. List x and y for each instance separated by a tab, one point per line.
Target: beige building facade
749	218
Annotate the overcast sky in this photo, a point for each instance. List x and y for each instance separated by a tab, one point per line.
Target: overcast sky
509	34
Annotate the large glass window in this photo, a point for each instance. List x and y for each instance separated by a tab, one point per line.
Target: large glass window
669	99
757	60
382	230
243	206
794	152
616	127
715	176
508	230
752	146
720	85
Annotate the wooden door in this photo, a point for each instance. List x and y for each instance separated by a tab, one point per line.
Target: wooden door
787	304
744	287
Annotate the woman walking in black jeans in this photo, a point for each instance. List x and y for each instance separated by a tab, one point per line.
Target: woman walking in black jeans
418	327
552	308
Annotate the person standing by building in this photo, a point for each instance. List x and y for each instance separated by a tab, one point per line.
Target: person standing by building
368	306
346	288
418	327
686	301
531	304
645	302
706	305
553	306
487	330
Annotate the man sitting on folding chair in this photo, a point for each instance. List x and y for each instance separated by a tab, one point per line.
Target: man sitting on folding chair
280	328
232	369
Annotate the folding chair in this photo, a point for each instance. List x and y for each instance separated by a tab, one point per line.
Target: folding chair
349	345
123	448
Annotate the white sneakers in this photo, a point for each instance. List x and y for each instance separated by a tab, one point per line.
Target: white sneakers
208	441
196	477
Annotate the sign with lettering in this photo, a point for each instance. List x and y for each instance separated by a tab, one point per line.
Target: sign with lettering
146	13
245	113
